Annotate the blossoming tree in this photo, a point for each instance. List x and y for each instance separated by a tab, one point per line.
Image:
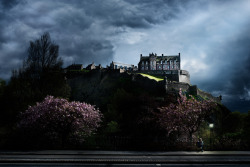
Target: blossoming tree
185	116
58	118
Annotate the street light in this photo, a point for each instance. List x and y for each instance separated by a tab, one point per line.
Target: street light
211	126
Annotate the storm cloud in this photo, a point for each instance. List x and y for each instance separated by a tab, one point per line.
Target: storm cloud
212	36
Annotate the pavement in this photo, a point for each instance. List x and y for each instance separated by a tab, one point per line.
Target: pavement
125	157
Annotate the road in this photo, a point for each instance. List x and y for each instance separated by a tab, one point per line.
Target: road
124	158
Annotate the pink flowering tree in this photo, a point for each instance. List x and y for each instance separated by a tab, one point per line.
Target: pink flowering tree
59	119
185	116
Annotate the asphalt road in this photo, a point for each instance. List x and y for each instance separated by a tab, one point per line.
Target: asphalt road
123	158
123	165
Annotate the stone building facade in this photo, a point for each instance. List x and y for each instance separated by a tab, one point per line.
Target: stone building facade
154	62
116	65
168	66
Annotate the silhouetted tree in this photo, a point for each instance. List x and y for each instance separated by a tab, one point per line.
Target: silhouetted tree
41	75
43	67
2	88
42	57
43	54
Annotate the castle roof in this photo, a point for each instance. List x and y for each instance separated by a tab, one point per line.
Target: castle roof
159	58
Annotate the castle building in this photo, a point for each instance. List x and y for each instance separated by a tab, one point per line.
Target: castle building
154	62
116	65
91	66
168	66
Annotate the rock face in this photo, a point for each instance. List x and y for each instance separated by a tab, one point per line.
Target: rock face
174	86
173	75
96	86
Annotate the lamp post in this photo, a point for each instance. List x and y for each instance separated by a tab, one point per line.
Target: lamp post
211	126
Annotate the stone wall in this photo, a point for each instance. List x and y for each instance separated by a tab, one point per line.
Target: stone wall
184	76
208	95
194	90
177	85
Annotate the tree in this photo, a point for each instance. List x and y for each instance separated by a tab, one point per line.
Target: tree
2	89
2	86
234	122
43	55
185	116
41	75
58	119
43	68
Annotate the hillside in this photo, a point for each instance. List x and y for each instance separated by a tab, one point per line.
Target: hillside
127	98
97	86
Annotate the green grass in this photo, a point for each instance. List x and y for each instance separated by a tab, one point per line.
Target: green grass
156	78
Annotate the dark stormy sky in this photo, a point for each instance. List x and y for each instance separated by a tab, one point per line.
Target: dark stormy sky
213	37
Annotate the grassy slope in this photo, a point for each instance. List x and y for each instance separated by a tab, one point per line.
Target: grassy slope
156	78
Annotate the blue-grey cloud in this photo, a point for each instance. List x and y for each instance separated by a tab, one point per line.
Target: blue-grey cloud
212	36
7	4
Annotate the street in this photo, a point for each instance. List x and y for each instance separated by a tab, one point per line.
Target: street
122	165
124	158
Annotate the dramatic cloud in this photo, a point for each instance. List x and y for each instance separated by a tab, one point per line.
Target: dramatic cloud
212	36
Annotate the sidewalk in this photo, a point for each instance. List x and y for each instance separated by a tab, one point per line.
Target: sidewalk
160	153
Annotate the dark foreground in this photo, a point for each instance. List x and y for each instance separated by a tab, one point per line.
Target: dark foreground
124	158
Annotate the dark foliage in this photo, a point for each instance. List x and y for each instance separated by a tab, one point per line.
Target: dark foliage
41	75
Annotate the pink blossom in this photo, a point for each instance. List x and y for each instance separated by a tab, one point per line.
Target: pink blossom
186	115
57	115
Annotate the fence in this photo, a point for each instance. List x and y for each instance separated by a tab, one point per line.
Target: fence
160	144
145	144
